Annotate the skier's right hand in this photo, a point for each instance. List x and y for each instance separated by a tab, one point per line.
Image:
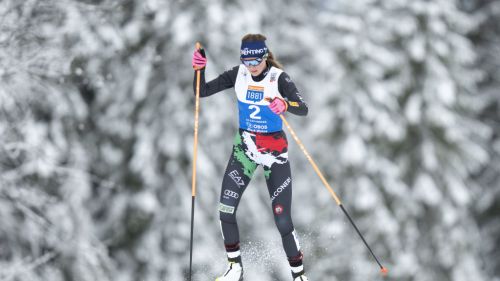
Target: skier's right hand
199	60
278	105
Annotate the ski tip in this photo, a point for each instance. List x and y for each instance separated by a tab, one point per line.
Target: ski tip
384	271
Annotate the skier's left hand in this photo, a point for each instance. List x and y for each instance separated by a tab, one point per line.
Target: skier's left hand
199	60
278	105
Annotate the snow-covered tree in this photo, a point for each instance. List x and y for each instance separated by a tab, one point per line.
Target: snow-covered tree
401	125
46	232
486	39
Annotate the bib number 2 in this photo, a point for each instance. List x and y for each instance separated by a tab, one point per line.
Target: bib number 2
256	111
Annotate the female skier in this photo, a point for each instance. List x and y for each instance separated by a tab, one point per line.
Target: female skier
264	92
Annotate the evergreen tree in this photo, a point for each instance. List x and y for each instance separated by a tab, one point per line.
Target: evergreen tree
46	232
405	136
486	41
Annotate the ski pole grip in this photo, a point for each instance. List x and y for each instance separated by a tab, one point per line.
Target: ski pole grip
199	48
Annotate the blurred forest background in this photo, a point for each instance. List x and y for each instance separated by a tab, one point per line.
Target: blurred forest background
96	133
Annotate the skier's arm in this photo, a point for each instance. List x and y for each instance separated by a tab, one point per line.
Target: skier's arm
288	90
224	81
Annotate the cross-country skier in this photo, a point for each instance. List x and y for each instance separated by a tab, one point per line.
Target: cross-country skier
264	91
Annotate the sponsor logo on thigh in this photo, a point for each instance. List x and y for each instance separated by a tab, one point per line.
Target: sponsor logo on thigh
237	178
281	188
230	194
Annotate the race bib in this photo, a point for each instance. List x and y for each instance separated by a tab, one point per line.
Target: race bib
256	117
254	113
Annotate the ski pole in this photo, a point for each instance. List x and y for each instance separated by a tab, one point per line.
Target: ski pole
195	155
383	270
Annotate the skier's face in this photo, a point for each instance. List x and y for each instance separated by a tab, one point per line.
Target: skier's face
257	70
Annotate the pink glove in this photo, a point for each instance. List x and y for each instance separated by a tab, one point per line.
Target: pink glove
199	61
278	105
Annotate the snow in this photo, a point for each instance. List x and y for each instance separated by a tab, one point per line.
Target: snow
426	190
413	110
446	92
354	150
146	201
416	48
368	195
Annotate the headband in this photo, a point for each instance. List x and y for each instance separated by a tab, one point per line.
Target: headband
254	49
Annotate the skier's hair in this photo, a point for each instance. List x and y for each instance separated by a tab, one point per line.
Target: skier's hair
259	37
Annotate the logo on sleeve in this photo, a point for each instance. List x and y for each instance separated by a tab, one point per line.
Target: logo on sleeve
255	93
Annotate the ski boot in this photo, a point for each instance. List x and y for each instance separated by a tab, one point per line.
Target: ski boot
234	272
301	278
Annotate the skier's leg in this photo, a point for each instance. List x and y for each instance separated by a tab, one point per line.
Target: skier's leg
236	178
279	183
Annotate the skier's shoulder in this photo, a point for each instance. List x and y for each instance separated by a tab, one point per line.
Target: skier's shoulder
274	69
233	70
284	78
231	74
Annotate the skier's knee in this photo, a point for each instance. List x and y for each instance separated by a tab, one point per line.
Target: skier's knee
284	225
227	214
